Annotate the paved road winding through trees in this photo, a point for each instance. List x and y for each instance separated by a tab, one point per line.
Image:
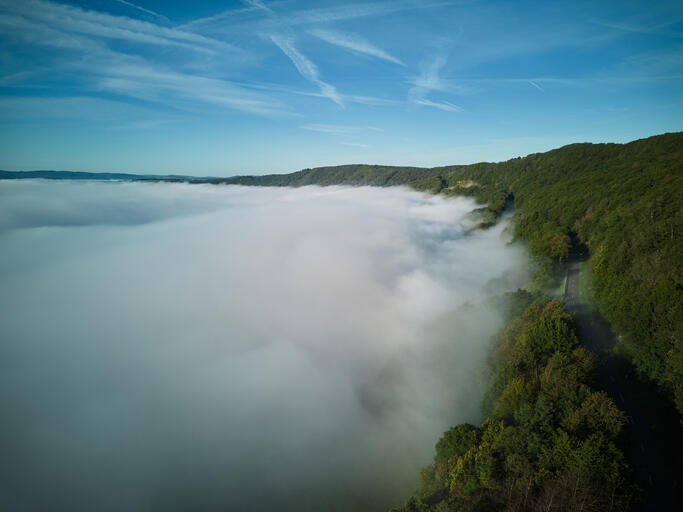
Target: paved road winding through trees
654	432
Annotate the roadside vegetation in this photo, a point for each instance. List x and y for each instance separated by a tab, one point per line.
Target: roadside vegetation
550	440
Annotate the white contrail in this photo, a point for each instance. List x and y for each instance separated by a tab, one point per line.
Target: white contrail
130	4
306	68
354	42
446	105
536	85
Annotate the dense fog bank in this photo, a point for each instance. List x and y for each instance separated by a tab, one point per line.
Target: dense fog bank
205	347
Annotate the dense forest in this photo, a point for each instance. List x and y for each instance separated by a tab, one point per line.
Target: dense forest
621	202
550	441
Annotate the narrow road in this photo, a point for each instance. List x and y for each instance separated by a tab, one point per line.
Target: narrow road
654	433
571	285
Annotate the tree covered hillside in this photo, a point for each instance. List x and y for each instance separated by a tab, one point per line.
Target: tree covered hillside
357	174
623	202
550	440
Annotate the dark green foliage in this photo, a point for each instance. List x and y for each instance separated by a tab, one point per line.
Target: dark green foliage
623	202
357	174
550	442
433	184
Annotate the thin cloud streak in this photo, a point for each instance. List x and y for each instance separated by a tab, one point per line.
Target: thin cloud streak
339	129
103	69
70	19
430	80
330	128
142	9
531	82
640	29
355	11
355	144
151	84
324	15
371	101
223	15
355	43
306	68
346	98
447	106
257	4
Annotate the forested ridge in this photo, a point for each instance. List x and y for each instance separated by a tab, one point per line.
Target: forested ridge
623	202
550	440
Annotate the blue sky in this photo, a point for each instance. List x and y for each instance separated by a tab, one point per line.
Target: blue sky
224	88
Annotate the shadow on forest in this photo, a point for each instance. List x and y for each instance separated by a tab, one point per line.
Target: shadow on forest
653	434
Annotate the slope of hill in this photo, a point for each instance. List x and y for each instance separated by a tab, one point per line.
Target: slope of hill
355	174
80	175
550	441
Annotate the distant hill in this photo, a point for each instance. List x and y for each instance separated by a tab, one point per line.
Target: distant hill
355	174
75	175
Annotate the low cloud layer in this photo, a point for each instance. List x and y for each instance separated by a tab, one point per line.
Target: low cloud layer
191	347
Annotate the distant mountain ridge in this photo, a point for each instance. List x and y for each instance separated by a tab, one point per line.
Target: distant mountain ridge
79	175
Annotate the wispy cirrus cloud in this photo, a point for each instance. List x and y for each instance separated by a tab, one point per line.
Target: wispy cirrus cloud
430	80
355	43
99	68
142	9
534	84
330	128
357	10
257	4
74	20
41	34
372	101
339	129
306	68
346	135
110	114
445	105
218	18
657	28
320	15
137	78
355	144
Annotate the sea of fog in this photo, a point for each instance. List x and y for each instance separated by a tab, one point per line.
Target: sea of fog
199	347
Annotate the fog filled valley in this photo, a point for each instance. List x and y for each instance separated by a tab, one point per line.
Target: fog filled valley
200	347
382	256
